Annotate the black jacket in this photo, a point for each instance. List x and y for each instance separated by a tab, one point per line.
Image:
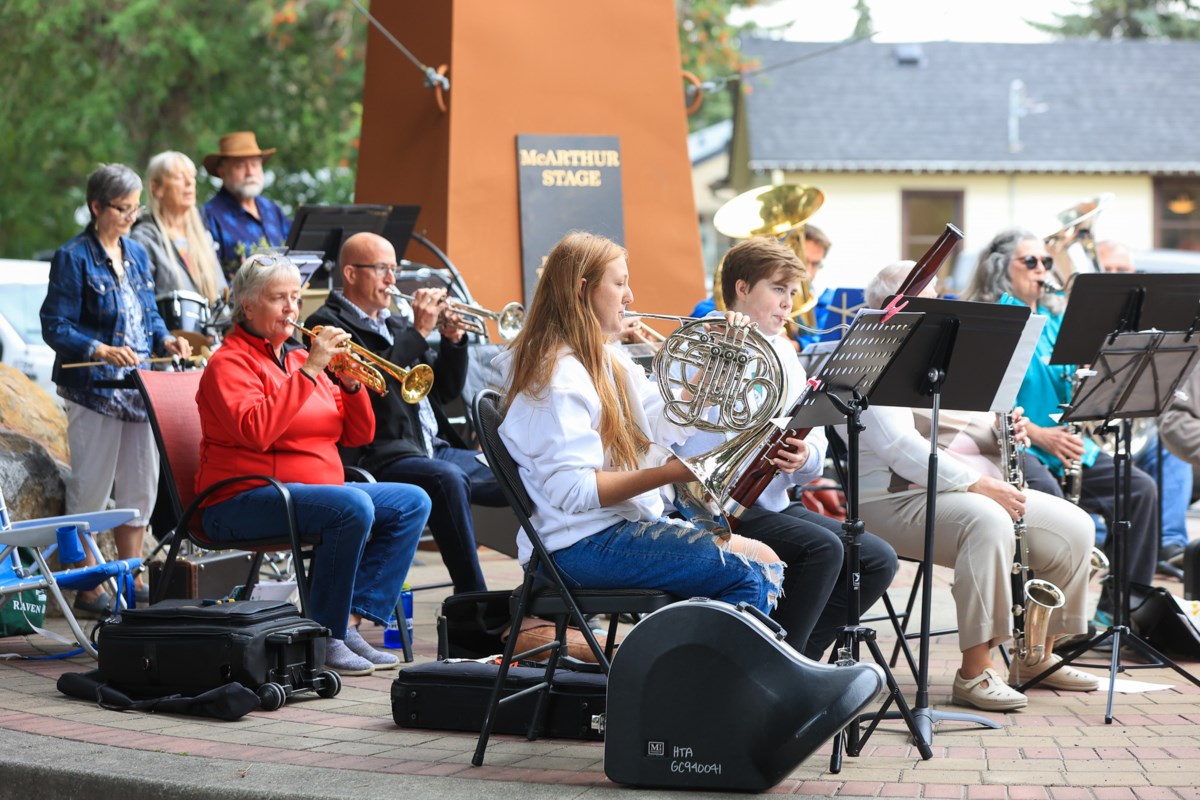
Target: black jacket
397	423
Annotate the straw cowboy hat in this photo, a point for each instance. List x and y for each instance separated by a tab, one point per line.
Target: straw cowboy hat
236	145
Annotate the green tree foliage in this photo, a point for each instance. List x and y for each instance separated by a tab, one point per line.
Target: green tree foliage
1128	19
710	49
87	82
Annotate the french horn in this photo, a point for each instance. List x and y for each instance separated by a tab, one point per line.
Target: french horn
720	378
776	211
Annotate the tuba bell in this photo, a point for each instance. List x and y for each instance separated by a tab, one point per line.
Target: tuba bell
777	211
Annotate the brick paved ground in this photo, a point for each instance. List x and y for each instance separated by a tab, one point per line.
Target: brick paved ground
1058	749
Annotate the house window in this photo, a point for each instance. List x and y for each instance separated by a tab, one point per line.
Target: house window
924	218
1177	214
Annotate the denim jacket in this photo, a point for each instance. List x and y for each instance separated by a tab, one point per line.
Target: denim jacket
81	310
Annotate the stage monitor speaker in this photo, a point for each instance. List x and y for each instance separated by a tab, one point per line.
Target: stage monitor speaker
703	695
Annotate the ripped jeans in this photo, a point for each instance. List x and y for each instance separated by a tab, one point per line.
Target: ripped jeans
672	555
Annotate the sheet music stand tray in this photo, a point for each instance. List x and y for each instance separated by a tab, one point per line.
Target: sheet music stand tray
322	229
940	366
1137	374
845	382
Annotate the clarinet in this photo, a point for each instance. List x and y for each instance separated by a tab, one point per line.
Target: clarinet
1071	479
1034	600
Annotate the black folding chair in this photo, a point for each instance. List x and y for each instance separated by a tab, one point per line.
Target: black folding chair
543	592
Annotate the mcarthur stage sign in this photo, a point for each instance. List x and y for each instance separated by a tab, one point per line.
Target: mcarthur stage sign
566	183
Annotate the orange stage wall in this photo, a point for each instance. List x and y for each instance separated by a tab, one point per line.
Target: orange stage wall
531	67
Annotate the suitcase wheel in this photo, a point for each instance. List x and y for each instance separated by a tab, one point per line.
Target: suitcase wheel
328	683
272	696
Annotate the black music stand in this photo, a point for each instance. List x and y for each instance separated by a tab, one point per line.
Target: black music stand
941	365
1136	375
846	381
322	229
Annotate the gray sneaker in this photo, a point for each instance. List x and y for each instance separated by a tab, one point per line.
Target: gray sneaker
341	659
360	647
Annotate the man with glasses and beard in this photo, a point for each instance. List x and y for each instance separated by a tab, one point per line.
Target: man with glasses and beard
238	217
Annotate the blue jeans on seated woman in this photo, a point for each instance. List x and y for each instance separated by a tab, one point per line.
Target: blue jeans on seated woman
350	572
671	555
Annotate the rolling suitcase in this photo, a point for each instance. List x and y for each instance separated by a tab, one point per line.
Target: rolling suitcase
453	696
180	646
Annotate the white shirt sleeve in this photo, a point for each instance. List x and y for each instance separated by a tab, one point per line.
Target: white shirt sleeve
892	436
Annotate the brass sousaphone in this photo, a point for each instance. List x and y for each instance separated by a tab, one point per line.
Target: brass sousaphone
772	211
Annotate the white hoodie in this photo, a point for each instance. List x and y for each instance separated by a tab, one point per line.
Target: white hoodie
555	442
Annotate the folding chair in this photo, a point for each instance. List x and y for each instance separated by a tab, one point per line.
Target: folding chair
170	399
543	592
39	537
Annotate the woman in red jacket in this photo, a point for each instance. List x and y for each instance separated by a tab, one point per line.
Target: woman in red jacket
268	407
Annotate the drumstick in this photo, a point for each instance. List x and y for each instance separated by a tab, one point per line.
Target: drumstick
156	360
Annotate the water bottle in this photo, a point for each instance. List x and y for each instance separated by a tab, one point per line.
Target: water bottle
391	634
406	602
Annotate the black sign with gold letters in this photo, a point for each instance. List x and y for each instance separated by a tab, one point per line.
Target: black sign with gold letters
566	183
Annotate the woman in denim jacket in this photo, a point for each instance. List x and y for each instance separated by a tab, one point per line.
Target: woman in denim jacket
100	307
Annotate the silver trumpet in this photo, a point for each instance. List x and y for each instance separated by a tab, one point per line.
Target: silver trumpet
509	320
1038	598
720	378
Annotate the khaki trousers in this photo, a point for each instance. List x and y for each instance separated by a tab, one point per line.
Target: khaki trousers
974	536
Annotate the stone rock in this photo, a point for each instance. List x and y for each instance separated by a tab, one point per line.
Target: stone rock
34	484
26	408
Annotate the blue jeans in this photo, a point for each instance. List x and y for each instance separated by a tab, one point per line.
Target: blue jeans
454	480
1175	490
670	555
349	573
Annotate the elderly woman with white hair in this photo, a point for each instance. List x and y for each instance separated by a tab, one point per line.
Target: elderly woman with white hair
99	307
268	407
1013	269
181	249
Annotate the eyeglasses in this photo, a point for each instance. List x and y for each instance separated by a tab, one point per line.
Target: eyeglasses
127	213
1031	262
381	268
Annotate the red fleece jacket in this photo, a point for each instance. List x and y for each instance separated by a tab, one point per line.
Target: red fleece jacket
258	417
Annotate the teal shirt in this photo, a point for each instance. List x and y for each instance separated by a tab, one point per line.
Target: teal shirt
1046	387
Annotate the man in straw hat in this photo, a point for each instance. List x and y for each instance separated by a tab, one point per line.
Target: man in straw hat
238	217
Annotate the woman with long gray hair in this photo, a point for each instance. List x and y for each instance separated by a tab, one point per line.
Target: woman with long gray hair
173	233
1014	270
100	307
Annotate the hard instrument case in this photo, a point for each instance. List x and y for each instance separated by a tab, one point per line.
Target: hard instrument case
453	696
703	695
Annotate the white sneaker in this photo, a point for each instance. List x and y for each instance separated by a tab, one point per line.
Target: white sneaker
995	696
360	647
339	658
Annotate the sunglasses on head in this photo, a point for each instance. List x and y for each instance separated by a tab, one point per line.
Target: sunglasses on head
1031	262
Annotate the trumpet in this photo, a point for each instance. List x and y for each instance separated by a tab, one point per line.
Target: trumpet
362	365
509	320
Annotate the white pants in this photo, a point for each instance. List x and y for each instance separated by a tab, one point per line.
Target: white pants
105	450
974	536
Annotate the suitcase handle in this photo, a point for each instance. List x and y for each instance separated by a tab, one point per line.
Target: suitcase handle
775	627
297	635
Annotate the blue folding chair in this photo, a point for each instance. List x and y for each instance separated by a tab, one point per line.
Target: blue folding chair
39	537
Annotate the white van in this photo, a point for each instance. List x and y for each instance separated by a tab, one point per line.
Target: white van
22	290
